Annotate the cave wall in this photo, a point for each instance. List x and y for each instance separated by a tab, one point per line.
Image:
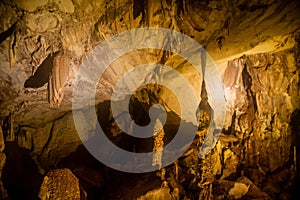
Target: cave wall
255	45
265	95
3	192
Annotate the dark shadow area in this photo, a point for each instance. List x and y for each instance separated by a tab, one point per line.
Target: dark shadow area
6	126
101	182
20	174
89	171
295	119
7	33
140	115
42	74
139	8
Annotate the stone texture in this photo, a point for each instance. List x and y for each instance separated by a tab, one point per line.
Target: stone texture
3	193
254	43
31	5
65	6
52	142
157	194
242	188
264	106
63	131
238	190
61	184
81	25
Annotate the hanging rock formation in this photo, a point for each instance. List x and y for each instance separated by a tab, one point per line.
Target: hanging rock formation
255	45
58	79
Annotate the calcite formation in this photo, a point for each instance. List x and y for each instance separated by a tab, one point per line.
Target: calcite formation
255	46
158	135
57	79
61	184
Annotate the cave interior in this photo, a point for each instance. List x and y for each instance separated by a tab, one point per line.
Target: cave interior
220	78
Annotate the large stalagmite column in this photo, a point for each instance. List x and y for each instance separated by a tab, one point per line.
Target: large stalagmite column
158	134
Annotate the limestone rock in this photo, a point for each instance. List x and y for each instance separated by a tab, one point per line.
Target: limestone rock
238	190
77	26
24	138
7	21
253	191
242	188
30	5
2	141
157	194
255	45
231	162
3	193
61	184
65	6
257	92
42	22
64	132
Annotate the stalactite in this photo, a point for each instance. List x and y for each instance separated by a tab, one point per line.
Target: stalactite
12	51
57	79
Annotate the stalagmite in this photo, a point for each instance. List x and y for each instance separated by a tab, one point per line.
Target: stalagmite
158	134
61	184
57	79
176	169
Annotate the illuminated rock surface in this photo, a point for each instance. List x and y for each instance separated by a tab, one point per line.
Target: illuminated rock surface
255	45
61	184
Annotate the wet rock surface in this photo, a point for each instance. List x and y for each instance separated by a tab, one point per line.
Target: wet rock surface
256	47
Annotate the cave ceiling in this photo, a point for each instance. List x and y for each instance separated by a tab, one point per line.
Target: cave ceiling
42	38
